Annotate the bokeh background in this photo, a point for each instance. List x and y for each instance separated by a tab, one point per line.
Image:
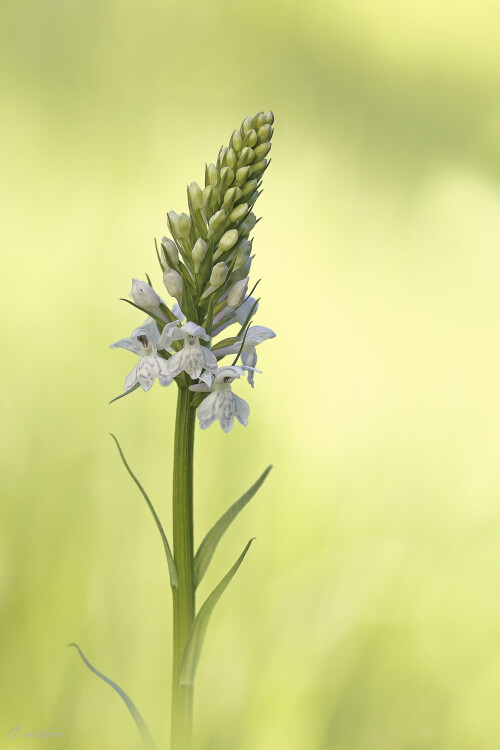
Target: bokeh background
367	614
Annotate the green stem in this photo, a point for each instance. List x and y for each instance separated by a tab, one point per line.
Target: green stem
183	596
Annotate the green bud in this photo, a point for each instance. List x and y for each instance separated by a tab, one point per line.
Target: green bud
264	134
170	250
259	167
173	283
219	275
232	195
242	175
198	253
211	175
246	157
230	159
250	139
184	226
222	154
207	194
216	222
242	254
236	140
227	241
226	178
237	293
262	150
247	225
238	213
269	117
248	188
196	195
246	125
258	121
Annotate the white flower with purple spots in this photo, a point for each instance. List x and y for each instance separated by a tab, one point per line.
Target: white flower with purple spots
193	358
222	403
255	336
146	342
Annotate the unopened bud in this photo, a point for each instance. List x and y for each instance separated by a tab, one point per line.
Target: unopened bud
228	240
207	194
198	253
248	224
226	178
269	117
144	295
170	250
232	195
262	150
219	275
246	157
238	213
237	293
250	139
173	283
230	159
184	225
242	175
248	188
259	167
246	125
196	194
211	175
237	140
217	221
264	133
242	254
258	121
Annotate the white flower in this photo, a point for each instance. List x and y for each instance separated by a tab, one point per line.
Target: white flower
146	341
192	358
255	336
222	403
144	295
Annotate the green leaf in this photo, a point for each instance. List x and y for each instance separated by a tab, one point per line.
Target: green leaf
209	544
209	323
170	560
192	649
140	723
157	319
131	390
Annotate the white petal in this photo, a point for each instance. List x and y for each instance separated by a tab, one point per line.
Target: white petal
231	371
200	387
226	409
206	377
191	329
242	410
161	368
152	329
175	363
243	310
193	361
128	344
249	359
206	411
209	357
146	373
178	312
166	337
258	334
131	379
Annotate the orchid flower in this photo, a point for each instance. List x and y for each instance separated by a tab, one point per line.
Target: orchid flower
255	336
222	403
146	342
192	358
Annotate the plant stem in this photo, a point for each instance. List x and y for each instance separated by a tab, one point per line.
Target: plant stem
183	596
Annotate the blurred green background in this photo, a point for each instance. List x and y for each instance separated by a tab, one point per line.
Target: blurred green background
367	614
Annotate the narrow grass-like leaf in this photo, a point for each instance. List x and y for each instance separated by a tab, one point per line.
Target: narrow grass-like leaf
242	343
140	723
170	560
155	317
209	544
134	388
194	643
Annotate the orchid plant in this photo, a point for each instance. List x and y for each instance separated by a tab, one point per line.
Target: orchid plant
205	266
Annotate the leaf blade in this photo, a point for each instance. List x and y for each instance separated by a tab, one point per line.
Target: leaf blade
209	544
168	553
147	739
194	643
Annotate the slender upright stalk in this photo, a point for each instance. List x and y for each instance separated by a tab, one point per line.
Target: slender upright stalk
183	596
